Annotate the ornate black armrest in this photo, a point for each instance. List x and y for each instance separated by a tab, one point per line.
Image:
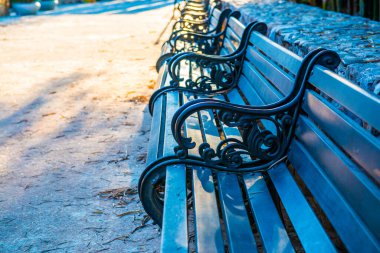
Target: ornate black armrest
215	73
220	73
194	14
196	42
191	25
266	131
185	30
218	29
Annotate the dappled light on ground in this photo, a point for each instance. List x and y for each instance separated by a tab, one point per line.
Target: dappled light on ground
74	129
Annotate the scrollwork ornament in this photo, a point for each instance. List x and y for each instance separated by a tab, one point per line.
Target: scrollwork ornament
221	76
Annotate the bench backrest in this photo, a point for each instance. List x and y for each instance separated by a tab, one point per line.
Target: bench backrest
215	14
233	36
335	157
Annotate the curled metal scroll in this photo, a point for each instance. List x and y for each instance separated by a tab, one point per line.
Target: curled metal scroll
222	71
262	144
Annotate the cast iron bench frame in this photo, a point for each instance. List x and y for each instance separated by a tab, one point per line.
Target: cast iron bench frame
244	205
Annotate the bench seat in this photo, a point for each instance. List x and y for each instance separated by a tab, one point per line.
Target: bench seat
324	196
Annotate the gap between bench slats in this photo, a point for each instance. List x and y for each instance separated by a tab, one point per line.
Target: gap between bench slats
234	38
238	229
300	227
272	72
308	228
274	238
258	84
363	147
362	194
276	53
349	95
354	234
207	225
227	44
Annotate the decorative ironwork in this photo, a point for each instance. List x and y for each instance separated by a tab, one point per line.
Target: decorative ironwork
182	27
219	73
266	131
202	41
193	26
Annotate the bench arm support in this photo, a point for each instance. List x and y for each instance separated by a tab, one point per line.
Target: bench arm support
266	131
196	42
199	26
204	29
220	72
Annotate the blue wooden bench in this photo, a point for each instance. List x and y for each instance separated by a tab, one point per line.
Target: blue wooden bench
245	186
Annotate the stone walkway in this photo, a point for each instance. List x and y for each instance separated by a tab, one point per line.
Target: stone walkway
74	128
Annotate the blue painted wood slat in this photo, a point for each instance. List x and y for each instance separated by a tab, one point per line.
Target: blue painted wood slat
350	228
175	204
310	232
360	192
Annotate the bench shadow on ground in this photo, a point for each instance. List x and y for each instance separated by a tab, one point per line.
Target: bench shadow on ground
19	118
61	195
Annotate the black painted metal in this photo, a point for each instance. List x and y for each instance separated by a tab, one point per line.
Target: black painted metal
263	147
224	15
193	19
200	40
224	71
260	147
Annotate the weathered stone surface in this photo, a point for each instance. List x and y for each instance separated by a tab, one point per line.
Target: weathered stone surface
302	28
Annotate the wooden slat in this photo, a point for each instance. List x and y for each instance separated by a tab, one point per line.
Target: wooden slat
253	99
236	26
273	236
162	76
154	143
260	85
216	13
227	44
277	53
358	190
174	236
363	147
238	229
213	23
351	96
158	116
272	72
166	48
235	97
231	34
207	225
175	204
309	230
251	94
354	234
224	51
208	232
